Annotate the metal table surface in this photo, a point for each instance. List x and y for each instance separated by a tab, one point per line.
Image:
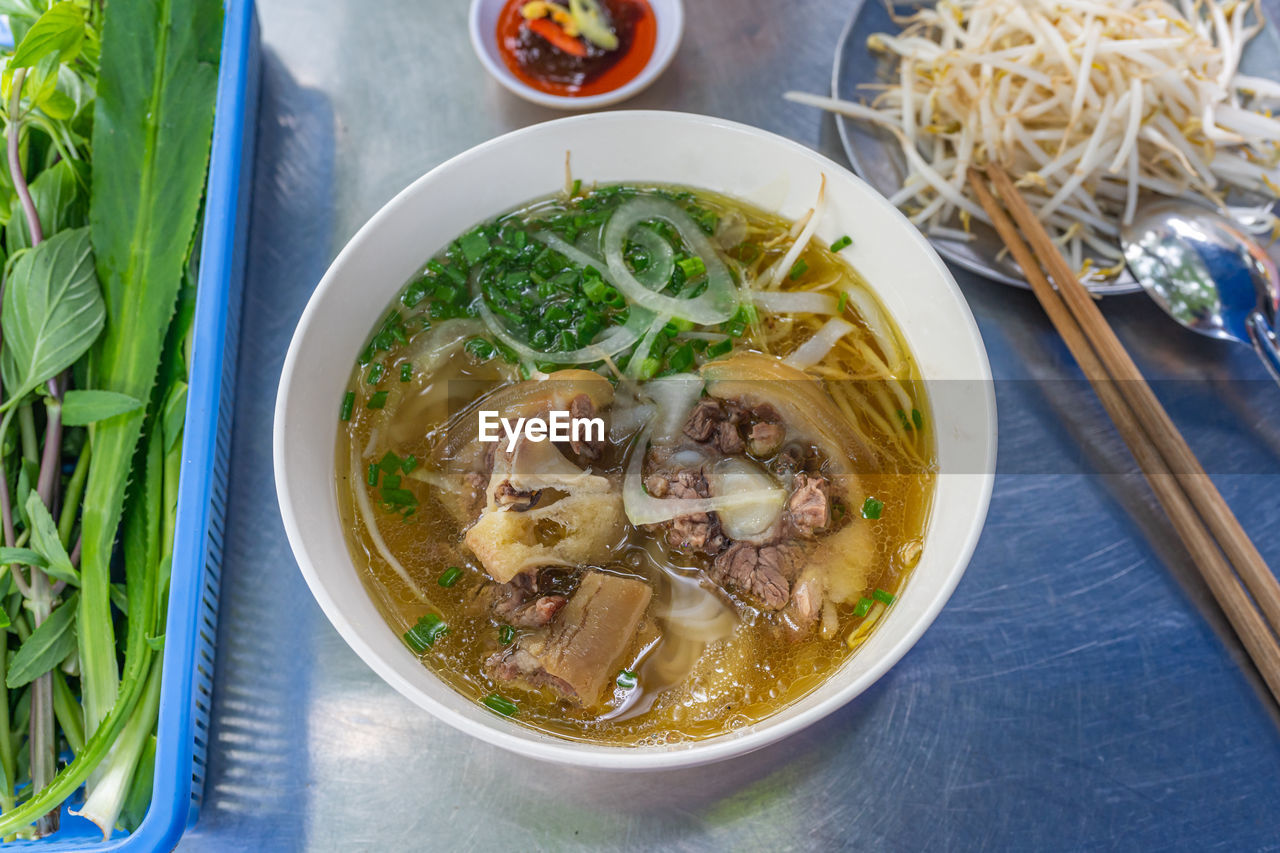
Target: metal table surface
1080	691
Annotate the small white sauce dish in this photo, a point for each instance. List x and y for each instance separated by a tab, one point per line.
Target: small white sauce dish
668	14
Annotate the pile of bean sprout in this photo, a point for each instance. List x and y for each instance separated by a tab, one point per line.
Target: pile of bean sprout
1087	104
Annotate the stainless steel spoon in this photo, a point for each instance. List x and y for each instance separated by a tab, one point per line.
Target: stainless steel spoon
1206	273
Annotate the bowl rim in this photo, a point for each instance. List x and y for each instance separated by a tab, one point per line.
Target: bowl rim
664	52
579	753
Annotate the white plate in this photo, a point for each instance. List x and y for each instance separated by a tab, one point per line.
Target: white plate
654	147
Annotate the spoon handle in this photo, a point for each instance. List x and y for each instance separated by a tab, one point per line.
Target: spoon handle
1265	342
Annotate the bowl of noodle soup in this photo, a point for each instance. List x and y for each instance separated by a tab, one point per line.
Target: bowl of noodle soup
794	455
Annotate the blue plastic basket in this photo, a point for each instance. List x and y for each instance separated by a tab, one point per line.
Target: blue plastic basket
182	737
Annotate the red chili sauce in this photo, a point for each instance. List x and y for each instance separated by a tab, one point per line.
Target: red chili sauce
538	63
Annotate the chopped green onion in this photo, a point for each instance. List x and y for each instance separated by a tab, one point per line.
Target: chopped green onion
719	348
348	403
406	371
450	577
391	481
681	358
906	422
627	679
398	498
500	704
798	269
424	634
863	605
843	302
649	368
692	267
577	186
506	634
389	463
408	463
843	243
375	373
377	401
475	246
872	507
917	418
372	477
883	597
479	349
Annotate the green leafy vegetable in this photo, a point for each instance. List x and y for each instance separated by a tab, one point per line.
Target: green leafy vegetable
81	408
44	535
52	312
47	646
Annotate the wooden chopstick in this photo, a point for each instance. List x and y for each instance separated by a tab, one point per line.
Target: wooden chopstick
1129	411
1168	440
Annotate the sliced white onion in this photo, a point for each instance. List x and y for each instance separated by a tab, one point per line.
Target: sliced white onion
674	397
795	302
371	524
714	305
643	508
662	258
816	348
735	475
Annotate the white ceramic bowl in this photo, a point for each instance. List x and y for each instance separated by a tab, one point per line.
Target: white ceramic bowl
668	14
659	147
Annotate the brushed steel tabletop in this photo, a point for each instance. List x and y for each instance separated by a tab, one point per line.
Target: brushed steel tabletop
1080	691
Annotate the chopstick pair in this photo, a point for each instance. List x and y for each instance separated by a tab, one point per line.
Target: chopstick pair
1202	519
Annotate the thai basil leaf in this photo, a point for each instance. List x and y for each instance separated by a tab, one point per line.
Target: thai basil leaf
59	33
81	408
53	311
22	556
47	646
44	536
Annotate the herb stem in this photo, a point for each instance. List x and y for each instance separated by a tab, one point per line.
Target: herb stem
75	490
15	158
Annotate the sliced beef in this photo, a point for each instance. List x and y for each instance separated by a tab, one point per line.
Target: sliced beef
765	439
809	507
525	601
584	646
699	531
763	573
704	420
509	497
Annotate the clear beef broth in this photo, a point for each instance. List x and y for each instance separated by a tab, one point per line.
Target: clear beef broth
705	661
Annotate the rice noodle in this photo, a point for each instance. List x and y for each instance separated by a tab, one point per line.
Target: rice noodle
1082	102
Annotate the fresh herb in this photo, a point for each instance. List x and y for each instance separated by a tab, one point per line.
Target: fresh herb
498	703
450	577
885	598
719	348
627	679
408	463
692	267
506	634
798	269
377	400
375	373
872	507
843	243
372	477
862	607
389	462
406	371
99	293
425	632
